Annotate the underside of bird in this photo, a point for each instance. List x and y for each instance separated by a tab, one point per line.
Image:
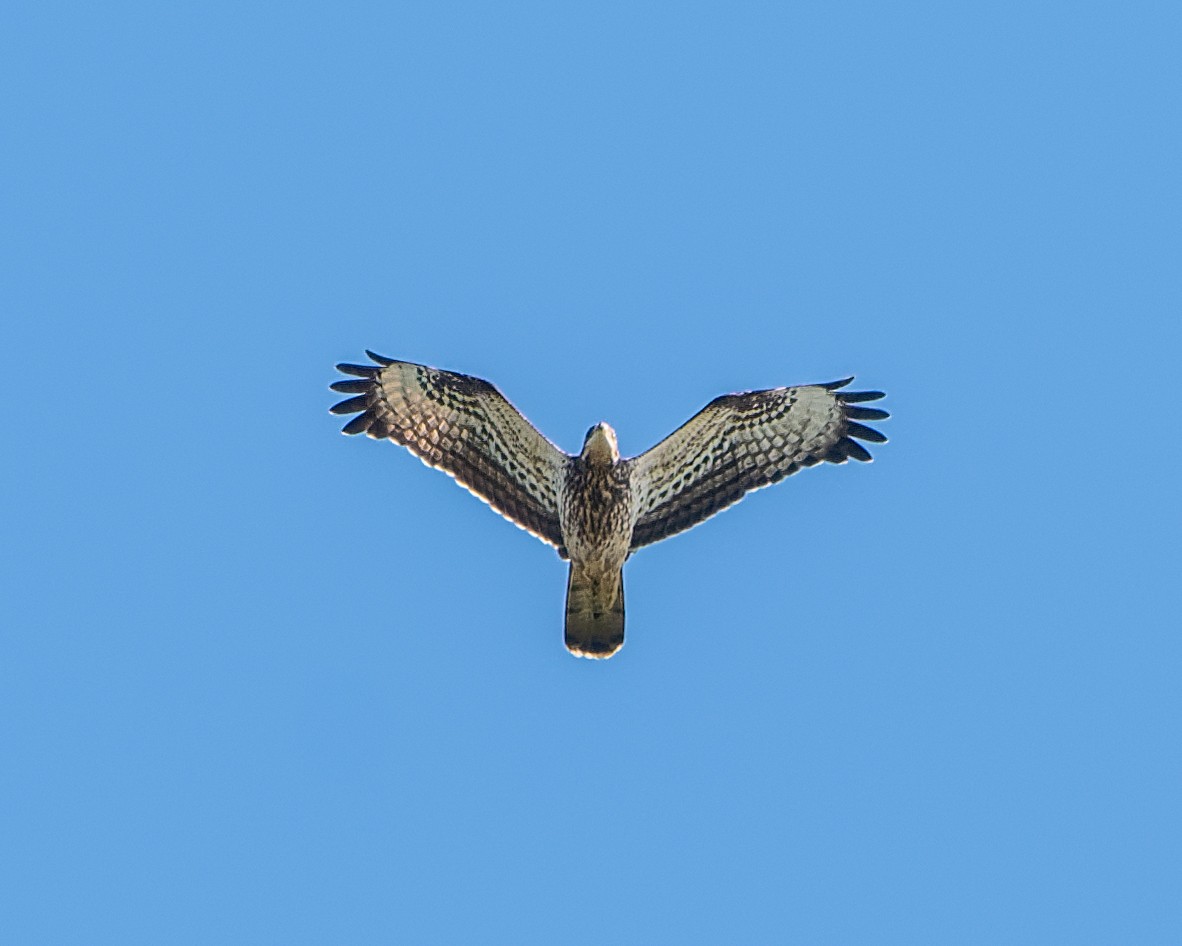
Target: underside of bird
594	612
595	507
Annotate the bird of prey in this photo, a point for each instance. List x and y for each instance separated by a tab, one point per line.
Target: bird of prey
597	508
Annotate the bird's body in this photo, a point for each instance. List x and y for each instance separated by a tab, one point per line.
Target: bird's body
595	507
596	512
597	515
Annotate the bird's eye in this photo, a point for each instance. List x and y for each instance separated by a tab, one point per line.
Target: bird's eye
590	431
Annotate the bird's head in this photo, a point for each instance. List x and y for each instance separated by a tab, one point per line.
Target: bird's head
600	447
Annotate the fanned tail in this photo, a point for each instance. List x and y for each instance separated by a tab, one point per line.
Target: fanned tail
594	613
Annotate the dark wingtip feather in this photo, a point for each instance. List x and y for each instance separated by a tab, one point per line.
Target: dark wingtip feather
359	424
866	413
862	432
361	371
380	359
855	451
853	397
350	387
351	406
834	385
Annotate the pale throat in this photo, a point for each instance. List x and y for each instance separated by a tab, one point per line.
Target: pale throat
600	447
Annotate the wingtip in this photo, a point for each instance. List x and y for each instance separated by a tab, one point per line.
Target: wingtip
866	413
862	432
360	371
855	451
359	424
855	397
380	359
351	405
350	387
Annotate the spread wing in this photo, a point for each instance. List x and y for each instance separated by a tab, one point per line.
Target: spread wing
741	442
465	427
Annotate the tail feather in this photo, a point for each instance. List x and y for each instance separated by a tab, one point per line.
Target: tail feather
594	613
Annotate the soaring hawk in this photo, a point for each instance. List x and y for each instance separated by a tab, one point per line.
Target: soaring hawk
596	508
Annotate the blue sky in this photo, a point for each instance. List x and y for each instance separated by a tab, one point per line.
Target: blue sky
263	683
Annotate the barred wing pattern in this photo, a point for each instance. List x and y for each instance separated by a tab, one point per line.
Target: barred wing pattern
741	442
465	427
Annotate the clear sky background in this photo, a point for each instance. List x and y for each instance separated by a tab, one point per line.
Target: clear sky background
260	683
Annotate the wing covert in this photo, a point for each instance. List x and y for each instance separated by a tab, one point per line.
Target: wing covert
465	427
742	442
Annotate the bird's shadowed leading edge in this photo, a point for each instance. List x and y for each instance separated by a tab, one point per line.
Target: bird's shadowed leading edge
597	508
